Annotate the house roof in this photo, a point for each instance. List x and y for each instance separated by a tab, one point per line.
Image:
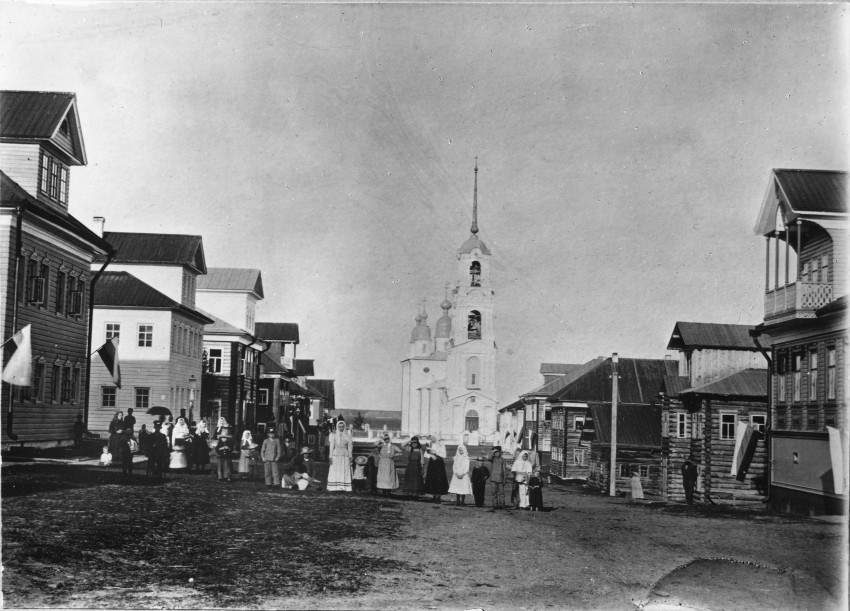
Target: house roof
802	193
232	279
697	335
12	194
158	249
674	385
303	367
518	404
271	365
569	377
640	381
124	290
38	115
837	305
747	384
221	326
296	388
277	331
637	425
556	368
325	388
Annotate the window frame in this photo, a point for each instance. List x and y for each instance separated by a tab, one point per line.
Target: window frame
115	331
143	393
760	427
262	396
144	335
797	365
813	376
108	392
681	425
725	434
217	360
831	358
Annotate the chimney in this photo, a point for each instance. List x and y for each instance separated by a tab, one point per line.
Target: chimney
99	222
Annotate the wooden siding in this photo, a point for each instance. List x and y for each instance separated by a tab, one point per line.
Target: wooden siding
712	365
600	460
21	163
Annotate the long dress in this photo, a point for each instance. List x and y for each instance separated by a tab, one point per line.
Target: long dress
436	481
413	472
387	476
342	450
637	488
114	425
460	483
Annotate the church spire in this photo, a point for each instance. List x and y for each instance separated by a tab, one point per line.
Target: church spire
474	228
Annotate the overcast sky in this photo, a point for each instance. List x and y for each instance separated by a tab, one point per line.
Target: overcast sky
624	152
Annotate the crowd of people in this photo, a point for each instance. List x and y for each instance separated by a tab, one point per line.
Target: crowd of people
175	446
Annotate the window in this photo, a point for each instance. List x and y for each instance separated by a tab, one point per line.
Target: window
812	418
66	384
36	282
681	425
263	396
75	385
475	274
796	418
471	422
798	361
54	179
758	422
580	458
37	387
804	275
74	305
781	368
143	398
780	419
56	379
145	336
830	373
113	329
829	416
727	426
644	470
813	376
473	325
108	396
578	423
824	268
214	360
473	372
61	289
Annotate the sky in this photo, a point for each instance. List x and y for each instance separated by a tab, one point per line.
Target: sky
624	151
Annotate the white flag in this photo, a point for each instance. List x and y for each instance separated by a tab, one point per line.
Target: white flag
18	371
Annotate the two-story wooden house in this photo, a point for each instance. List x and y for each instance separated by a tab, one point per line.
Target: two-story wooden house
803	219
231	381
147	300
45	265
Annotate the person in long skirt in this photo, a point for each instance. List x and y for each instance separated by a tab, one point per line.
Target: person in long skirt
436	481
637	488
200	447
115	424
535	491
341	455
247	447
181	444
387	476
371	469
460	485
522	467
415	468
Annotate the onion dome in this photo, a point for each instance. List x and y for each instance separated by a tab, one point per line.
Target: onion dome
421	331
473	242
444	325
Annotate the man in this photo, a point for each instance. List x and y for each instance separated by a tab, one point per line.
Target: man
270	454
498	476
689	480
130	423
158	452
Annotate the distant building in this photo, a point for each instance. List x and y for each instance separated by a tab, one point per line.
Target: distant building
804	221
277	368
45	258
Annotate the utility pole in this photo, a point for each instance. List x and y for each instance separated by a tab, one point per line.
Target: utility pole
612	484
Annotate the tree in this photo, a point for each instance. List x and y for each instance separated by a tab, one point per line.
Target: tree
359	421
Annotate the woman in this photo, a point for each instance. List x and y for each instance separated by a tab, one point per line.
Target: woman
116	424
637	487
342	451
143	440
415	468
181	438
247	448
200	446
436	481
460	485
387	476
521	467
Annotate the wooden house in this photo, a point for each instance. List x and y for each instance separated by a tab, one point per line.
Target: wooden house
277	367
803	219
722	380
45	265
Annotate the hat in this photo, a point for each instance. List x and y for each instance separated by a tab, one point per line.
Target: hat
386	435
497	448
360	460
306	450
414	438
271	432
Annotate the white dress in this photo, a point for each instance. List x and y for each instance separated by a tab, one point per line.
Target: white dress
460	483
339	474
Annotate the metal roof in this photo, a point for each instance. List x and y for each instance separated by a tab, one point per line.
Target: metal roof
813	190
747	384
637	425
557	368
158	249
557	384
124	290
640	381
37	115
696	335
303	367
277	331
221	326
518	404
674	385
12	194
232	279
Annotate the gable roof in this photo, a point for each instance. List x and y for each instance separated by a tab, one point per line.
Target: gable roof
38	115
219	325
556	368
674	385
325	388
277	331
575	372
749	384
637	425
518	404
12	195
640	381
232	279
124	290
697	335
802	193
158	249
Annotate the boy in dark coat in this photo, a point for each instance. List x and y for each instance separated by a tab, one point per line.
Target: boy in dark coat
478	478
498	477
224	453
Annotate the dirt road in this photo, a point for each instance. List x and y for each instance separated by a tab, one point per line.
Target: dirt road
80	537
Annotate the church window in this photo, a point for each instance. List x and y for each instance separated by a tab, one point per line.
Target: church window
471	420
475	274
473	372
474	325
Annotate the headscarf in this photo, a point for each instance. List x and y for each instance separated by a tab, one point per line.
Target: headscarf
118	416
202	428
461	461
247	438
181	430
522	464
340	435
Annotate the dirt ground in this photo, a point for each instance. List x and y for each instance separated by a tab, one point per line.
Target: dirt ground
81	537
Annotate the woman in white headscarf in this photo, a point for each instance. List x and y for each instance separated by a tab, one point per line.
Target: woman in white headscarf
247	447
200	447
181	438
460	485
522	469
341	455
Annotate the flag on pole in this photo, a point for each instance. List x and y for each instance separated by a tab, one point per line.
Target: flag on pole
109	355
746	439
18	371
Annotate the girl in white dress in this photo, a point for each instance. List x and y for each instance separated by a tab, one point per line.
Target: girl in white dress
460	485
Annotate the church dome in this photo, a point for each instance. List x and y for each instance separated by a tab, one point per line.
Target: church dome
473	242
421	330
444	324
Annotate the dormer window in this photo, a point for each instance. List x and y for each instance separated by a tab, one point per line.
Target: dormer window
53	183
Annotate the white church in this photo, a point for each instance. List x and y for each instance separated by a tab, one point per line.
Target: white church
449	379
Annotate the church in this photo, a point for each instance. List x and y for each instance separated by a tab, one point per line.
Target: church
449	378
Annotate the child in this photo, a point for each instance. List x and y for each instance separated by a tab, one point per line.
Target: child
522	490
637	488
223	452
124	453
535	491
358	480
479	477
106	457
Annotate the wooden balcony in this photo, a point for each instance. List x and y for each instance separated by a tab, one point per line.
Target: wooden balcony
799	299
